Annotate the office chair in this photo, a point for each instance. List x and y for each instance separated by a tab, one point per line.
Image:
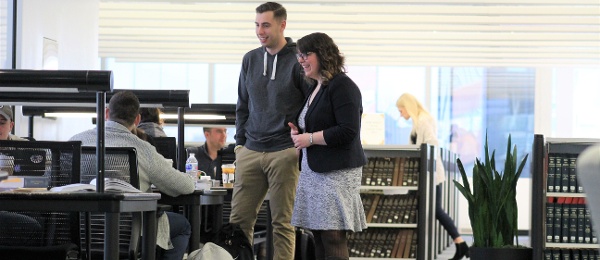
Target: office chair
121	163
40	235
167	146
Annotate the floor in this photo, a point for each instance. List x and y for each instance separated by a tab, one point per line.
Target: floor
449	252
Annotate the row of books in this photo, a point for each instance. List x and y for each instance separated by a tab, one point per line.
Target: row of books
384	243
568	220
562	176
382	171
571	254
391	209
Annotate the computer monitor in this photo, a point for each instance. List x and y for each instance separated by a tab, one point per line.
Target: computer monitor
167	146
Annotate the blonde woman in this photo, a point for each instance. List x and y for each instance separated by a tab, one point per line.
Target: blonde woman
424	130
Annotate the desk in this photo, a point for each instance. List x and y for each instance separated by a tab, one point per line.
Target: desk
109	203
194	201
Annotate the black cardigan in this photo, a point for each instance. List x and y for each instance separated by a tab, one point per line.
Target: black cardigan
336	109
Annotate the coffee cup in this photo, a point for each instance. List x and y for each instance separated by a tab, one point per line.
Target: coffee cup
228	175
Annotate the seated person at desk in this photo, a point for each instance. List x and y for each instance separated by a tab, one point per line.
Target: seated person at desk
122	115
13	223
209	155
7	124
150	122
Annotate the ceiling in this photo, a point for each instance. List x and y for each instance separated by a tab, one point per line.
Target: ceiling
530	33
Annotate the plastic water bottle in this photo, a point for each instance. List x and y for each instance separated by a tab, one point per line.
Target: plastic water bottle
191	166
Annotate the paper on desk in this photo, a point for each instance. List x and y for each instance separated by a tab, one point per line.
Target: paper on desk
12	183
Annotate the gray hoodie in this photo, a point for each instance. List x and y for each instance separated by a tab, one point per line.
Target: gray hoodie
271	91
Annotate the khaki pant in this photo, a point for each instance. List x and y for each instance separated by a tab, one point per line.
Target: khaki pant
257	173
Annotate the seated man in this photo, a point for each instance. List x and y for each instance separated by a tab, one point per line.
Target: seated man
7	124
28	228
209	154
122	116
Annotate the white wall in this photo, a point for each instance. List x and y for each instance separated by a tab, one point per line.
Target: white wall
73	24
523	203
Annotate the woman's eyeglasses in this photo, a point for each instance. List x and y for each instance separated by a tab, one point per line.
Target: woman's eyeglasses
304	56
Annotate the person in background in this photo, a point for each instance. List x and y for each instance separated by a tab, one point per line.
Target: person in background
18	229
142	135
424	130
328	137
271	90
209	154
122	115
7	124
150	122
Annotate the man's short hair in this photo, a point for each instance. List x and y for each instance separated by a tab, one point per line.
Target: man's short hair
279	12
207	129
124	107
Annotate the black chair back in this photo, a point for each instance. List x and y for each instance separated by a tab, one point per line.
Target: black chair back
41	164
120	163
167	146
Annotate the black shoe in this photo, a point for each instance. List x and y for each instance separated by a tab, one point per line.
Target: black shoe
462	249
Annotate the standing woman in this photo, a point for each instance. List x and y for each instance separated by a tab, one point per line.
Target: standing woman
328	137
424	130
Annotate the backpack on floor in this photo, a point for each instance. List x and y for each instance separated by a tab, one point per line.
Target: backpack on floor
210	251
231	238
305	245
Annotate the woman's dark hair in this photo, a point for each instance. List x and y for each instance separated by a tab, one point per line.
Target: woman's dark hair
150	114
331	60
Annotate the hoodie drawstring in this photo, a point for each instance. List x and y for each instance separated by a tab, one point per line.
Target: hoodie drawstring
265	66
274	68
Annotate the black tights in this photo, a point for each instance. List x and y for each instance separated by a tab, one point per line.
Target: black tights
331	244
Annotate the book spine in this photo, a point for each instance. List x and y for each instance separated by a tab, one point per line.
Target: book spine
397	167
566	211
581	220
409	242
588	226
558	172
550	220
558	209
389	173
564	173
551	172
368	171
573	220
572	174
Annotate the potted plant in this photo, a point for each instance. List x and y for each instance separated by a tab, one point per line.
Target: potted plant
493	206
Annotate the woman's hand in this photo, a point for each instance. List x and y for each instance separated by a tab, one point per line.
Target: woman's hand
300	140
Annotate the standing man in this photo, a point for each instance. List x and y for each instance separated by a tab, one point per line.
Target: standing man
271	91
209	154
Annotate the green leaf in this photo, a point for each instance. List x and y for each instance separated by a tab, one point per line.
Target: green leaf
493	210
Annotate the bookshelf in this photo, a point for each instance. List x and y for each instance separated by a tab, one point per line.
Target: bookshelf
397	191
561	224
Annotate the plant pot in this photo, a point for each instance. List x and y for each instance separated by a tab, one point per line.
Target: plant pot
488	253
